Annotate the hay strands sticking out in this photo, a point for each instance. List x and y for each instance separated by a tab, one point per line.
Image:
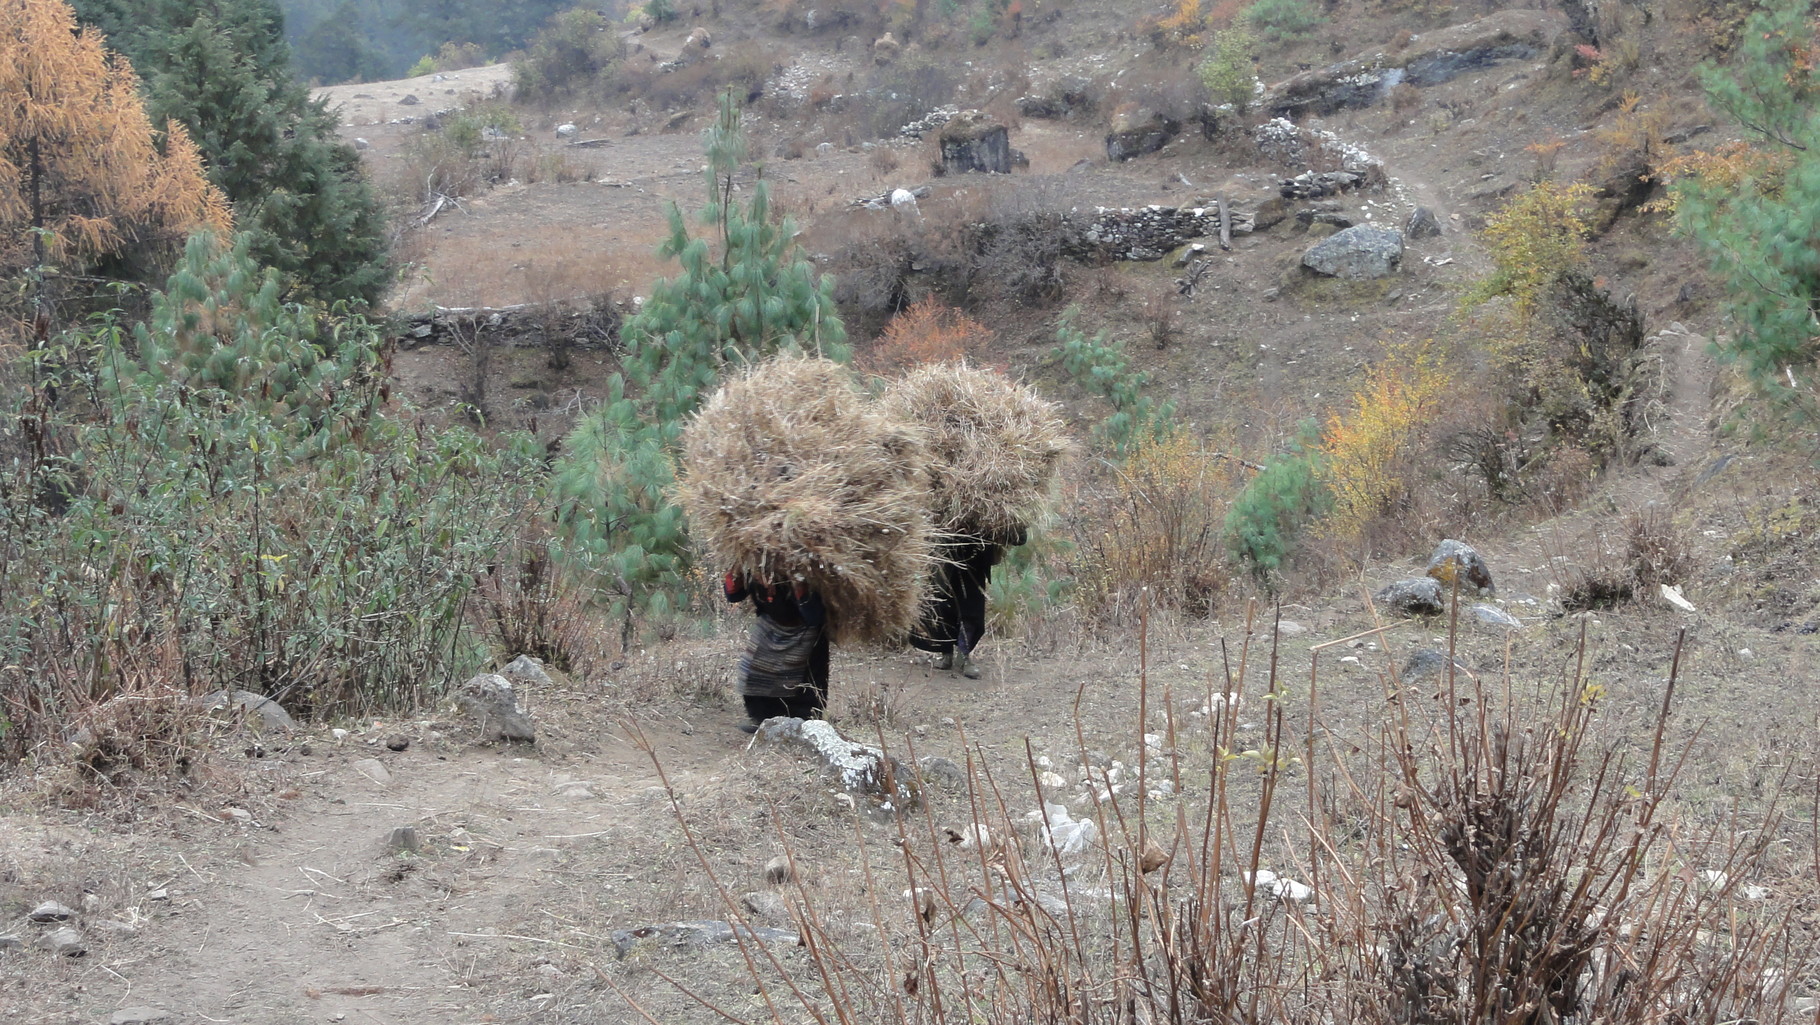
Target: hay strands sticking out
995	446
789	474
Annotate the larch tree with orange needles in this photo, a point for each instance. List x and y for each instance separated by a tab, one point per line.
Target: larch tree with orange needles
85	182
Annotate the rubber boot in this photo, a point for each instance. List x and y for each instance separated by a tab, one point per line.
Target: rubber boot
965	665
946	661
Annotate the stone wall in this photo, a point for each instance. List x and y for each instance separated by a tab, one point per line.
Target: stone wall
580	324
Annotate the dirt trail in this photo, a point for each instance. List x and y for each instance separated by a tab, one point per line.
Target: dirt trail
309	915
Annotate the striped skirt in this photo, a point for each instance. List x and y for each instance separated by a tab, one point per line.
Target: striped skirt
776	662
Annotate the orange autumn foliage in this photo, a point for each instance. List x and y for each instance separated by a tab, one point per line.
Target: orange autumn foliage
82	176
927	332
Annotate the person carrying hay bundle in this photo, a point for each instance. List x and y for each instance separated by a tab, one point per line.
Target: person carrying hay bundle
995	450
816	504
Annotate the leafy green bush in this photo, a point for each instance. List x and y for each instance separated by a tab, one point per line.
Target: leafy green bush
1227	72
1282	20
575	52
239	509
1265	521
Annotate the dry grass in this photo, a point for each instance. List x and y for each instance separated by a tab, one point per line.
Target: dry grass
548	262
1477	855
789	474
995	447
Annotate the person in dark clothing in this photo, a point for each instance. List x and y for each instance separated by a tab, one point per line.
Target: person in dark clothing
784	671
957	617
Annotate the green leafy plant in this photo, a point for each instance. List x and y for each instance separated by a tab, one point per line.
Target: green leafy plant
1227	72
1104	369
1282	20
576	52
239	509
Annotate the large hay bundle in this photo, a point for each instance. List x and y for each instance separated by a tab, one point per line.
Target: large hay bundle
790	474
995	447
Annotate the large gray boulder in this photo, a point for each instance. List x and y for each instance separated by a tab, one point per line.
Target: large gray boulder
971	141
1139	131
1359	253
489	698
270	714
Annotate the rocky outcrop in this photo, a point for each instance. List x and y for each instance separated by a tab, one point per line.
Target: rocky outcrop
269	713
1293	145
1137	132
1359	253
490	700
974	142
1430	59
1422	223
578	324
1065	97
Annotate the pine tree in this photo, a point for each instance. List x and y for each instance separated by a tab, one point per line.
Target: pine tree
83	185
220	333
743	295
1760	227
223	69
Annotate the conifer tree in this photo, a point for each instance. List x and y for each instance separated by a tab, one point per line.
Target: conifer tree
744	293
1759	226
221	328
82	184
223	70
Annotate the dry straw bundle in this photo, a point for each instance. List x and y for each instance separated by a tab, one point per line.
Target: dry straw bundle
790	474
995	447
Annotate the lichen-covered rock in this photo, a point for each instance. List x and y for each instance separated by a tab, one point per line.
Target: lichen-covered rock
1427	663
1493	618
1422	223
1359	253
270	714
863	770
1458	560
527	671
1416	596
